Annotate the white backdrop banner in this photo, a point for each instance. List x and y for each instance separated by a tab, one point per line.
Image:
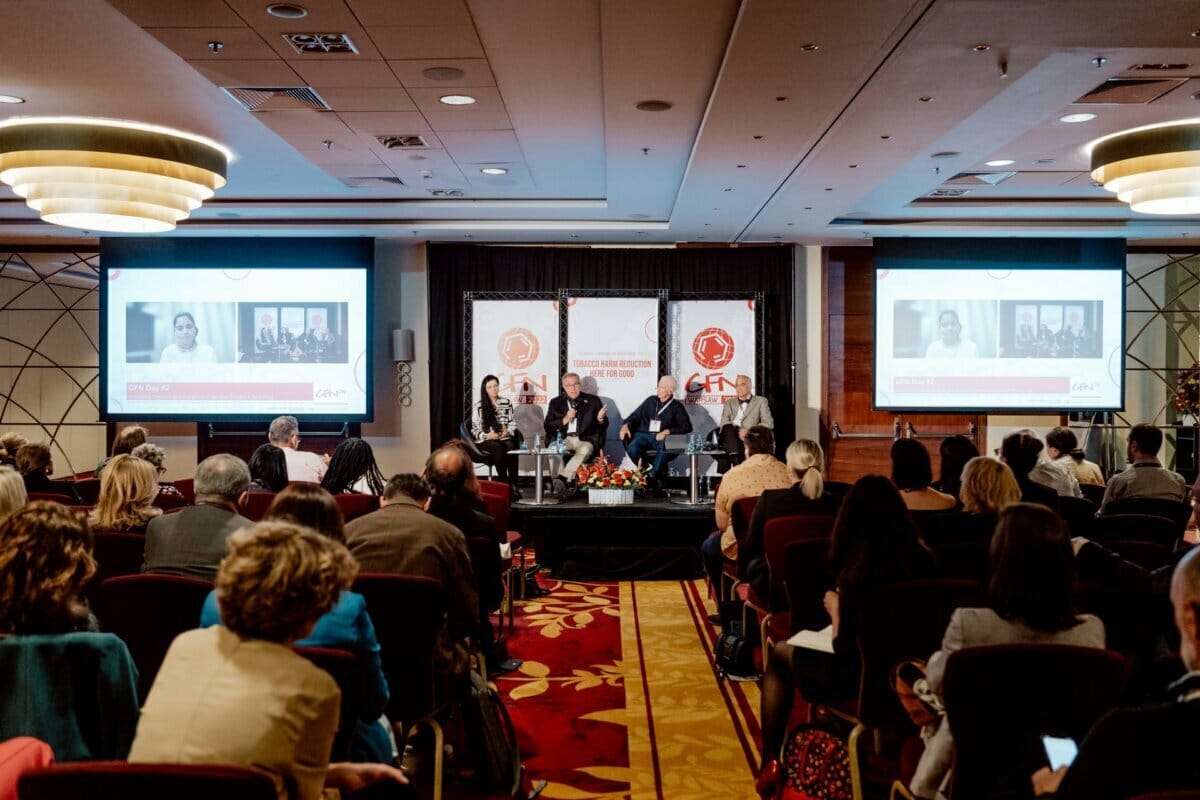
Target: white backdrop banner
517	341
612	342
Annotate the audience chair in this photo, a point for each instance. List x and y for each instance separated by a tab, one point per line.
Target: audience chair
17	756
933	520
498	498
255	505
1177	511
1135	527
963	561
899	622
1001	699
88	490
778	533
477	457
1092	492
1149	555
806	578
116	553
170	502
345	668
354	506
1078	512
186	487
731	574
53	497
148	611
105	780
838	489
409	613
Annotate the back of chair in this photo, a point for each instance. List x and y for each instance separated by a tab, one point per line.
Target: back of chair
739	515
1149	555
1000	700
117	553
344	668
498	509
778	533
1092	492
408	612
88	490
1177	511
488	569
254	505
806	578
464	433
354	506
963	561
1078	512
170	502
900	622
187	488
838	489
1135	527
148	611
19	755
104	780
53	497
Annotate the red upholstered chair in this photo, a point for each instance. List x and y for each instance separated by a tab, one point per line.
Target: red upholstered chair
17	756
53	497
88	490
105	780
1078	512
116	553
1001	699
354	506
170	502
962	560
739	516
1092	492
187	488
498	499
1135	527
778	534
1177	511
806	578
148	611
344	668
255	504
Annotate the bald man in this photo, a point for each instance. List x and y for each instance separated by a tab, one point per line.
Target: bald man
655	419
1148	748
740	413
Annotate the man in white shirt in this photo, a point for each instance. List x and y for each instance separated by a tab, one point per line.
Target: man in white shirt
952	344
284	433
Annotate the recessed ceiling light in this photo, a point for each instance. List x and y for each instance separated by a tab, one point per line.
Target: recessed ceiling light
443	73
810	47
12	99
853	166
741	166
728	189
945	154
456	99
829	188
1080	117
925	98
1000	162
982	47
885	136
780	99
287	11
653	105
808	208
757	137
503	171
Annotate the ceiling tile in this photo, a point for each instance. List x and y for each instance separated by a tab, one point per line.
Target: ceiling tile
191	44
470	147
442	121
478	73
352	98
352	74
451	41
324	16
335	155
195	13
371	123
248	73
487	98
412	12
371	170
310	128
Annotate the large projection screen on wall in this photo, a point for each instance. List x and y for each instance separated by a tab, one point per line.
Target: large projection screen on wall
1000	330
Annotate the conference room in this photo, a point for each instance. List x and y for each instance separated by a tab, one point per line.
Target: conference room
741	361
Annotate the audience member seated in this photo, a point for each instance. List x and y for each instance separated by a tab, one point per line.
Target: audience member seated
740	413
759	472
157	458
35	465
352	470
471	486
582	421
400	538
268	469
806	495
955	451
912	472
1145	477
1050	473
346	626
12	491
1031	592
193	541
236	693
874	544
128	438
127	491
284	433
45	649
1020	452
651	423
1131	751
10	443
1063	449
988	487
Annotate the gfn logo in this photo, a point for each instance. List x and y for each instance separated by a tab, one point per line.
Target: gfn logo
518	348
713	348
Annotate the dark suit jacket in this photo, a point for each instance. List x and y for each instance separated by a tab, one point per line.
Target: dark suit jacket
191	542
43	484
674	417
589	429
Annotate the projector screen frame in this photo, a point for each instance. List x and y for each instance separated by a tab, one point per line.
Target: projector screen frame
933	265
368	356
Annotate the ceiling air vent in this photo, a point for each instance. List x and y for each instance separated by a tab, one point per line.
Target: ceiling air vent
320	43
402	141
1131	91
372	182
949	193
980	178
1158	67
446	192
274	98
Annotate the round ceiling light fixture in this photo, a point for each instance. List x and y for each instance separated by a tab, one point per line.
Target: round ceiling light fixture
1000	162
443	73
456	99
1155	169
811	47
11	99
653	105
109	175
1083	116
287	11
494	171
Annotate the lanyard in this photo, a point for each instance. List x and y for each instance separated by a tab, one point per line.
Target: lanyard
658	413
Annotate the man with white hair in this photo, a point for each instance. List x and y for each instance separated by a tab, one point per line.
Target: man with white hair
740	413
655	419
284	433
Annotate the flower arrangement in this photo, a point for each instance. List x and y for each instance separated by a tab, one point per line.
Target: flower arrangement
603	474
1187	391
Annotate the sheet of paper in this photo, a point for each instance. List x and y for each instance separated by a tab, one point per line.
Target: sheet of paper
821	640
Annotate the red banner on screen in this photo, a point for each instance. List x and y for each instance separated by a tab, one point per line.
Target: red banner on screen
159	390
970	384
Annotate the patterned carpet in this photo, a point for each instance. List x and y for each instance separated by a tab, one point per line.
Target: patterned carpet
618	696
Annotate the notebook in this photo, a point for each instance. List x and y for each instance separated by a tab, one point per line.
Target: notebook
821	640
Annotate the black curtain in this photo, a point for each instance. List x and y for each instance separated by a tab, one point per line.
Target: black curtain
454	269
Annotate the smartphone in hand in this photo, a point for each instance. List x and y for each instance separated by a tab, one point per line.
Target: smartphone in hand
1060	751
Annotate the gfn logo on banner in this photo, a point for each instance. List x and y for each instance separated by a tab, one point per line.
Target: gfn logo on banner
518	348
713	348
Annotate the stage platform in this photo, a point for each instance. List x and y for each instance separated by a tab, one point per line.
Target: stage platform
651	539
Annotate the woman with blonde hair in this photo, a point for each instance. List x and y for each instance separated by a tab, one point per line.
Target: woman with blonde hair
12	491
988	487
127	491
10	443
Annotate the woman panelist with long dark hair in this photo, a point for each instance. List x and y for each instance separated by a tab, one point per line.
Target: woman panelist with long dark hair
494	429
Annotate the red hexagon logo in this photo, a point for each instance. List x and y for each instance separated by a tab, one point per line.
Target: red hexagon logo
518	348
713	348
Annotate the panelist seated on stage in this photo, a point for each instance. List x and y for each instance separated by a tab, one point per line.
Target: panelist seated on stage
741	413
647	428
582	421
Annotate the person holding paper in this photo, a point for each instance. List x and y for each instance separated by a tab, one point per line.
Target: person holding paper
582	419
741	413
655	419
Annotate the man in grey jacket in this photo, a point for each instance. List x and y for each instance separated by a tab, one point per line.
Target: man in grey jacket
741	413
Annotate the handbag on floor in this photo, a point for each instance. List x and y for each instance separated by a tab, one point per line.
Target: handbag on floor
815	766
492	743
734	656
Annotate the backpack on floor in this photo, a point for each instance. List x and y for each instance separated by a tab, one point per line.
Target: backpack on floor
815	766
492	743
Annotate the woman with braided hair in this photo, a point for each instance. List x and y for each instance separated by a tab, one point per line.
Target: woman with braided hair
352	470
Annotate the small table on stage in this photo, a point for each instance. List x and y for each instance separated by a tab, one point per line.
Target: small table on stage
539	476
693	496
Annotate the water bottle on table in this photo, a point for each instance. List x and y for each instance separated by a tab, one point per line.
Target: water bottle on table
558	444
537	442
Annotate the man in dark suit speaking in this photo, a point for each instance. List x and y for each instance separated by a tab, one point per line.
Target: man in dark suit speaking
583	422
